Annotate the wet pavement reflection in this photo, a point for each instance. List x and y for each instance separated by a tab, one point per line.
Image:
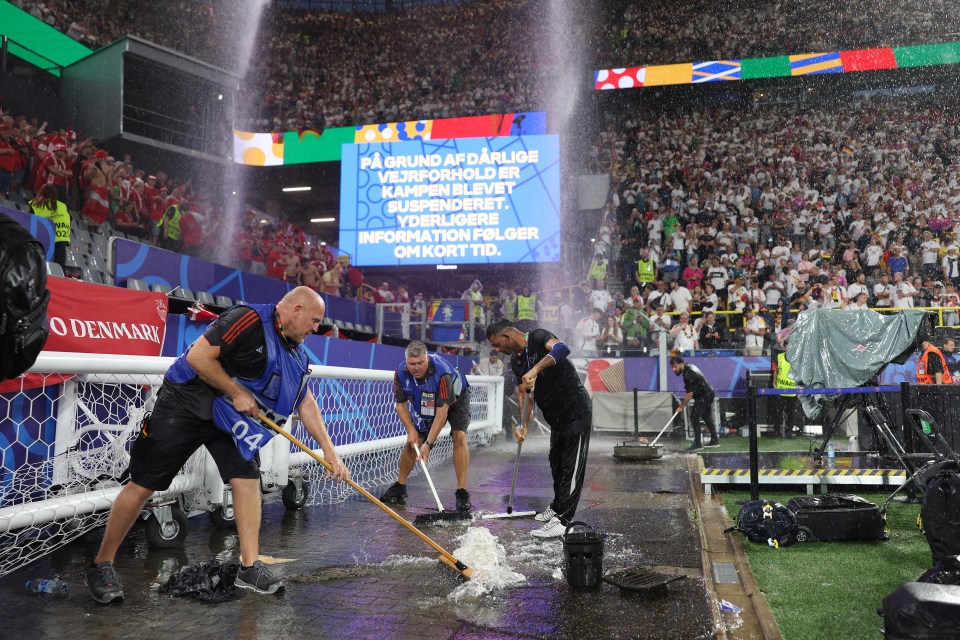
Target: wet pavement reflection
352	572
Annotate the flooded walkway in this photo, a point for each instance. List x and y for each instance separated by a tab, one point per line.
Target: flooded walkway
352	572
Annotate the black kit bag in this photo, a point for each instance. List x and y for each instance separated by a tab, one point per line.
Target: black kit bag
922	611
835	516
23	299
767	522
941	513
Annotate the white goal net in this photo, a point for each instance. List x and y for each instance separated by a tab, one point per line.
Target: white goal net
67	426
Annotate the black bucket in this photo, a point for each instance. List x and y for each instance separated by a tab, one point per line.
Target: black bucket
583	556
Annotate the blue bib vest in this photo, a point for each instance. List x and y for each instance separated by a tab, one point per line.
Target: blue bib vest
279	388
423	397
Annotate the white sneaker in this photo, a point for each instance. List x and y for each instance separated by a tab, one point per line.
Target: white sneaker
553	529
546	516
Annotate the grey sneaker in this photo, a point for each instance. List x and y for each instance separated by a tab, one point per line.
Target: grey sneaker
258	578
396	494
552	529
546	515
104	583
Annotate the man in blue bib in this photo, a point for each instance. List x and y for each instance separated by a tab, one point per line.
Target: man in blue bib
429	392
249	356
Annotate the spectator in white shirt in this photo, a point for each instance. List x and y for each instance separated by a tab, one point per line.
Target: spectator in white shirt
873	252
903	292
772	291
588	330
685	337
680	296
951	265
755	328
834	295
859	303
659	322
600	298
883	292
737	295
858	287
492	366
659	297
930	250
710	300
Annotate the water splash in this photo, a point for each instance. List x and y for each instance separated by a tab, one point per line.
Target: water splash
480	550
244	31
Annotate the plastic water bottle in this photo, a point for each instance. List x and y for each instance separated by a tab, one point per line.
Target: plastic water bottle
54	586
831	456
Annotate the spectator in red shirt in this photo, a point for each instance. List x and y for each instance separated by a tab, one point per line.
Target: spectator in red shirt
275	262
7	160
53	169
355	280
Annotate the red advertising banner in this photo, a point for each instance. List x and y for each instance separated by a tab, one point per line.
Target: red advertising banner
93	318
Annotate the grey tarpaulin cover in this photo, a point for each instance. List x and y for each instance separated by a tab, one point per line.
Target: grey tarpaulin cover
831	348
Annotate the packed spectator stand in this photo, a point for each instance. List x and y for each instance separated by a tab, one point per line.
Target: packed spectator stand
635	32
748	214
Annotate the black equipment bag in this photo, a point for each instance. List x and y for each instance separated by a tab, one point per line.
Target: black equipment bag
939	480
23	299
831	517
940	513
767	522
946	571
921	610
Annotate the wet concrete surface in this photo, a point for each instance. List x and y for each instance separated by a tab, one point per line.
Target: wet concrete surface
352	572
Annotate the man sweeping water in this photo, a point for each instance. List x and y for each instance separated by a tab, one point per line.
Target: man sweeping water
429	392
565	405
250	356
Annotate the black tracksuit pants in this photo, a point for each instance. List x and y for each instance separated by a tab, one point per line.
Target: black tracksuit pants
702	409
569	444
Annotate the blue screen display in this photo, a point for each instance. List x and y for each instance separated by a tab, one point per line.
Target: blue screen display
458	201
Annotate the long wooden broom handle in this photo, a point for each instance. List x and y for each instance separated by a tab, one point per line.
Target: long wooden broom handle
451	561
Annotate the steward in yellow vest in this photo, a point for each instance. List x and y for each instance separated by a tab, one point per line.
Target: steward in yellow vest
46	205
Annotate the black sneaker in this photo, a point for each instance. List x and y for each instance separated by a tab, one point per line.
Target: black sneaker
463	500
258	578
696	446
713	443
396	494
104	583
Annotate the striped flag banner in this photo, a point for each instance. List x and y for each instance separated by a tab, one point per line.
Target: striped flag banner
716	71
810	63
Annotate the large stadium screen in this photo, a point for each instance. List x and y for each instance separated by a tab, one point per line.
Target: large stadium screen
458	201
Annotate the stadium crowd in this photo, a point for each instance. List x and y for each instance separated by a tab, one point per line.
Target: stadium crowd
109	193
763	212
321	69
642	33
315	69
729	211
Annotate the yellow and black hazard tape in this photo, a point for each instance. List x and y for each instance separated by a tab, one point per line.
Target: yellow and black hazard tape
805	473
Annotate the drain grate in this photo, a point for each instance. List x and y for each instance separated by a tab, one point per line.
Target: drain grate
640	579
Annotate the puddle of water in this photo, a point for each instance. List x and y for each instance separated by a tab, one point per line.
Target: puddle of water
408	561
325	574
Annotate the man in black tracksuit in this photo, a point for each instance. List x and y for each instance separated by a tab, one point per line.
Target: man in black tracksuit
697	388
539	362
